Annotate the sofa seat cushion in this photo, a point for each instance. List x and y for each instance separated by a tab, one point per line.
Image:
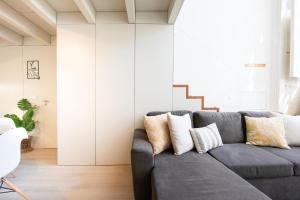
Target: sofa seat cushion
292	155
252	162
282	188
194	176
228	123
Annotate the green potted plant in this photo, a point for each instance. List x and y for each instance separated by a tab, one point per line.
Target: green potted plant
27	121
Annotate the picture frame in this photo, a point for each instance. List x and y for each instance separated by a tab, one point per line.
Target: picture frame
33	69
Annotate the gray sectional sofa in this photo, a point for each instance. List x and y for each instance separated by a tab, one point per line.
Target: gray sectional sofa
235	171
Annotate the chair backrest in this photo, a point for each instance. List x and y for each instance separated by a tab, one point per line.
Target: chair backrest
6	124
10	150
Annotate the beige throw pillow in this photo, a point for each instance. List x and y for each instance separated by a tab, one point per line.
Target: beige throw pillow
158	132
266	132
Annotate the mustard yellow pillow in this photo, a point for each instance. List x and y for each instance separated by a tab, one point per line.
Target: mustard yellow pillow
266	132
158	132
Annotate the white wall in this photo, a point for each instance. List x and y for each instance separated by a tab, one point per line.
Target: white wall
15	86
289	90
213	42
295	39
42	92
153	69
11	79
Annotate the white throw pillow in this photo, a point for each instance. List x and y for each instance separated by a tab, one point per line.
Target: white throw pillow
206	138
179	131
292	128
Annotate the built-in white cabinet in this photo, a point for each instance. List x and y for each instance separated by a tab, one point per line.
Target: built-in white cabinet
109	76
76	94
114	91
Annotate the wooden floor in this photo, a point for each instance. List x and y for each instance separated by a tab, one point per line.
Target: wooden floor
39	176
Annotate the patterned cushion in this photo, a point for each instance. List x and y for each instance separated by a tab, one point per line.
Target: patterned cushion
266	132
206	138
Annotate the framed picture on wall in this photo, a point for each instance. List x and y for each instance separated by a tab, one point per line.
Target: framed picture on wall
33	69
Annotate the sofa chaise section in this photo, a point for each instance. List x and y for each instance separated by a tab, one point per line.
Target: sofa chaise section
194	176
189	176
234	171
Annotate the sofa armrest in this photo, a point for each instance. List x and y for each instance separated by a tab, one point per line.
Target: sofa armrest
142	162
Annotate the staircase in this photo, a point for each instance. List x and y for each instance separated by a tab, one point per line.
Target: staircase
190	97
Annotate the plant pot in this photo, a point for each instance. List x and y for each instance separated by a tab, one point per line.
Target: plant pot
26	145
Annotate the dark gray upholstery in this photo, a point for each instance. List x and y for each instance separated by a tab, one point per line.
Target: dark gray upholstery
252	114
201	176
228	123
255	114
292	155
167	158
174	112
252	162
285	188
142	162
194	176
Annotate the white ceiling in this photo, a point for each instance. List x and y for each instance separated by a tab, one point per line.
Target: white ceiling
64	5
70	6
109	5
152	5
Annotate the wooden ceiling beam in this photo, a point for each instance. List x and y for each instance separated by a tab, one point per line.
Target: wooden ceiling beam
87	9
174	10
130	7
10	36
42	9
23	24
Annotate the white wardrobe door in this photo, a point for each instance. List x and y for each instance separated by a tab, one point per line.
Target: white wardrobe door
153	69
114	93
76	94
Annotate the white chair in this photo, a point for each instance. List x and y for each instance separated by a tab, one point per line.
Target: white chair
6	124
10	156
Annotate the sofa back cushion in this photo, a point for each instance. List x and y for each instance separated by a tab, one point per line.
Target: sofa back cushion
228	123
175	112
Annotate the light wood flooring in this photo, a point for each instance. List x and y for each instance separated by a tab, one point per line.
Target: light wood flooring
39	176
